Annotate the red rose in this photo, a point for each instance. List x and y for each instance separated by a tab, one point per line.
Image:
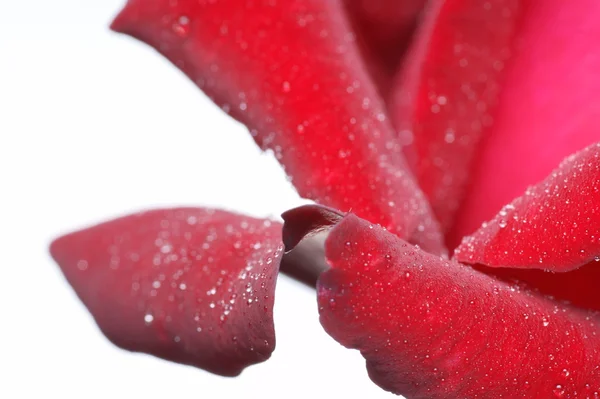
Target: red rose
410	147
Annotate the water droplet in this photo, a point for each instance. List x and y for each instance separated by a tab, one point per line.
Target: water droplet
558	391
181	27
82	264
449	137
545	322
148	318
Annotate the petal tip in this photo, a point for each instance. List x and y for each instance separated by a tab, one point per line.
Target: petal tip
307	220
124	18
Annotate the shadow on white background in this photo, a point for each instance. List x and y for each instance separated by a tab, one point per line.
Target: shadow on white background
94	125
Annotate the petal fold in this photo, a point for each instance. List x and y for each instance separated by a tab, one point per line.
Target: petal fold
554	225
554	229
384	29
190	285
445	96
434	329
548	106
292	73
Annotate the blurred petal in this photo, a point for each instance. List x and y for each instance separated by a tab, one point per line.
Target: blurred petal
549	106
190	285
554	226
434	329
291	72
384	29
446	95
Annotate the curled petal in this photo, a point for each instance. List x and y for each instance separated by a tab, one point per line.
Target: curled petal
432	328
190	285
549	106
554	226
447	92
307	220
291	72
304	233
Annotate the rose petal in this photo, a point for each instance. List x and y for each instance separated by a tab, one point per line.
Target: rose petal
291	72
304	234
307	220
384	29
445	99
431	328
190	285
549	106
554	226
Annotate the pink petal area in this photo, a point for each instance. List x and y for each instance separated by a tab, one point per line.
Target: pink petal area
549	106
434	329
190	285
291	72
384	29
554	226
445	98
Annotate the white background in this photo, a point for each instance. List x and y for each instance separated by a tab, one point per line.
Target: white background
94	125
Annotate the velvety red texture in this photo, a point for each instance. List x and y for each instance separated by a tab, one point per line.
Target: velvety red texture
553	226
191	285
548	106
431	328
291	72
445	98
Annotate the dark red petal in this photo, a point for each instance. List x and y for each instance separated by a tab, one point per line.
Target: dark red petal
384	29
445	98
190	285
431	328
549	106
307	220
291	72
554	226
304	233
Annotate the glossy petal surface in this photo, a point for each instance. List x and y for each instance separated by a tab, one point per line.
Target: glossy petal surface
291	72
549	106
445	99
189	285
432	329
